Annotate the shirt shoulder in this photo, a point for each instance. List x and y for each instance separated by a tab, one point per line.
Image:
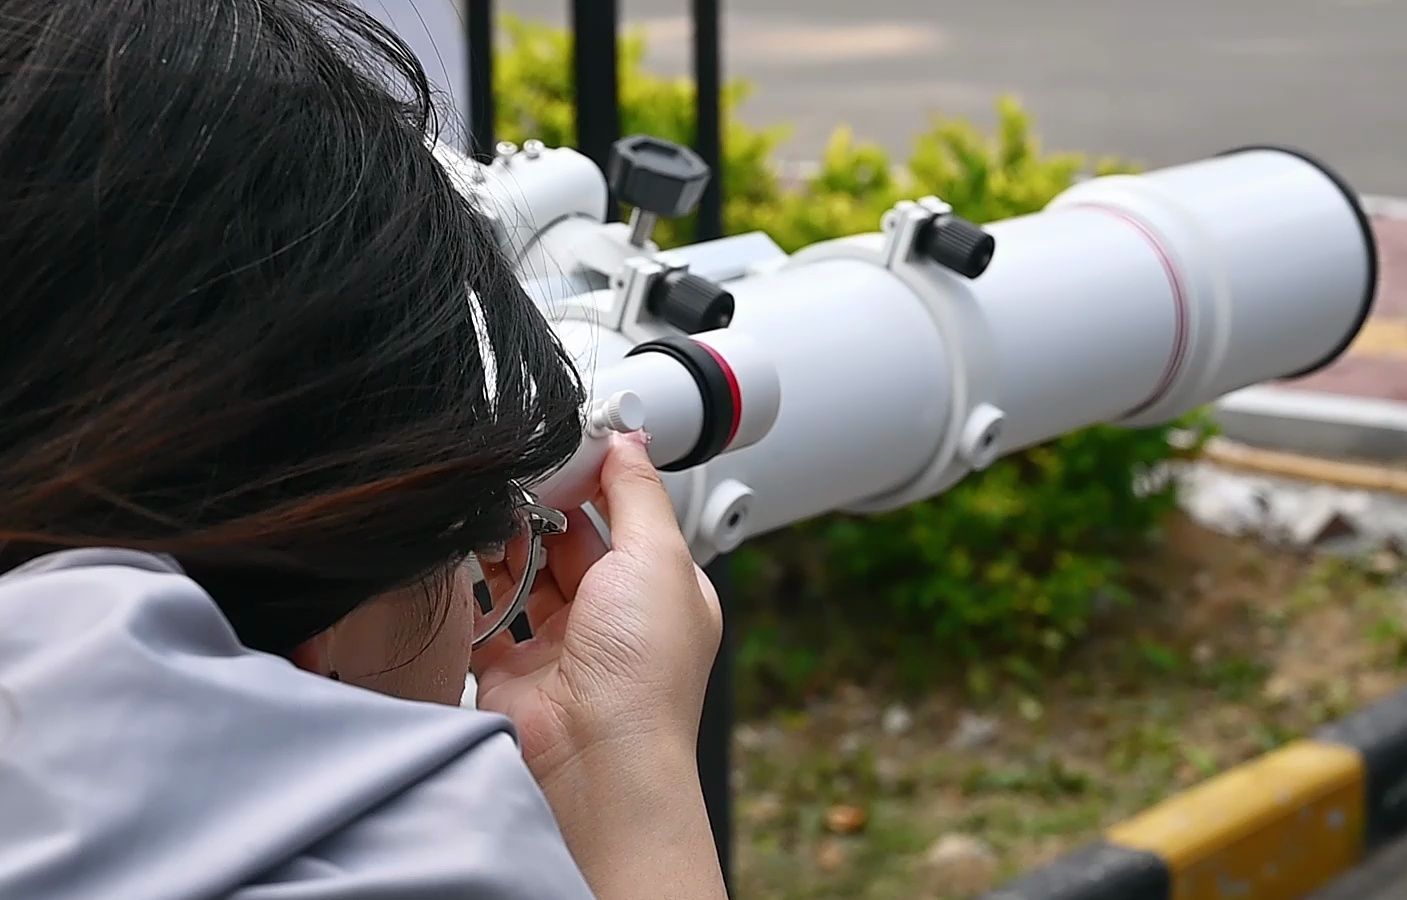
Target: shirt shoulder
147	753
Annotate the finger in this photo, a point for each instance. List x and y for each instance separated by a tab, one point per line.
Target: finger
602	507
501	660
500	579
570	555
642	515
545	596
544	600
711	600
544	605
489	656
516	556
553	630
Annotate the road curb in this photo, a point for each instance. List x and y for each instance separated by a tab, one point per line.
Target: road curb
1339	474
1278	827
1314	423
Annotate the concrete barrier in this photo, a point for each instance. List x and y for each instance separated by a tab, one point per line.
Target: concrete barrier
1276	828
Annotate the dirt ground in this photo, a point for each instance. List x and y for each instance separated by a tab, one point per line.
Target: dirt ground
1233	650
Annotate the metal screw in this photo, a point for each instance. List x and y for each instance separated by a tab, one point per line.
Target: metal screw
642	224
506	149
532	148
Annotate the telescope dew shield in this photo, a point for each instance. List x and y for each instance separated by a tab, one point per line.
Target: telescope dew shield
1133	299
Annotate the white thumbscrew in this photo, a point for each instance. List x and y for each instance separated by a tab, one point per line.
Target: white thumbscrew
532	148
622	412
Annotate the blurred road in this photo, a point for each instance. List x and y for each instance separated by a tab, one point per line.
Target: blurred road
1150	80
1382	877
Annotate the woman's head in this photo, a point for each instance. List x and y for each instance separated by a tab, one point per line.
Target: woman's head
240	318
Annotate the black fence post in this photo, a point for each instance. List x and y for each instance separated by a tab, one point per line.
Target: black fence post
708	127
716	726
716	731
478	27
595	57
594	60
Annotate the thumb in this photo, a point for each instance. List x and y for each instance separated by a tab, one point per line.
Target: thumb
641	512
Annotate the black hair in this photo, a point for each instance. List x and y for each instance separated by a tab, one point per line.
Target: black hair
240	302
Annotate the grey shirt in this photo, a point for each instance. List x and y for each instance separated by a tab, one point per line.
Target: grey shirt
144	753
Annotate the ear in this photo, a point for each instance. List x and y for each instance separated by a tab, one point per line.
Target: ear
315	654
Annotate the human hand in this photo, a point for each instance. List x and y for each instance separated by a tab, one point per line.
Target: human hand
623	638
606	695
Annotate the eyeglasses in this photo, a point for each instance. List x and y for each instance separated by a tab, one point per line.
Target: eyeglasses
505	575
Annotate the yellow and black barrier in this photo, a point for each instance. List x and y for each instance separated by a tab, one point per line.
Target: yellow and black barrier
1275	828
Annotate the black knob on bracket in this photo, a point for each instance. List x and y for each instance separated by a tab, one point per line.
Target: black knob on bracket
957	244
691	303
657	176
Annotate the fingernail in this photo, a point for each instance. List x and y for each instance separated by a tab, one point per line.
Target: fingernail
641	438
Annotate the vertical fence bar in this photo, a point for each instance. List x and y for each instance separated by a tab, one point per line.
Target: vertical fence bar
594	35
478	30
716	731
716	727
594	60
708	140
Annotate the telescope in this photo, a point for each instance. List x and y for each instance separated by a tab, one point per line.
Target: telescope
869	372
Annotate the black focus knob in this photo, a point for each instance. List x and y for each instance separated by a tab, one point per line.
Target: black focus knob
657	176
691	303
957	244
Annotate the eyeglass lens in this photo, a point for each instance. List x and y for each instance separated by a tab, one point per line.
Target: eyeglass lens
501	578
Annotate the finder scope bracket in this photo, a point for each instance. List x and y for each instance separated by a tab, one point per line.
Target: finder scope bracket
664	289
928	228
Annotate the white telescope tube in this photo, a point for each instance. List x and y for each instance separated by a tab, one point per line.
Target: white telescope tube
1134	299
1251	266
1130	299
865	381
527	193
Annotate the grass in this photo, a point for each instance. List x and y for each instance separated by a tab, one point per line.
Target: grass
1238	650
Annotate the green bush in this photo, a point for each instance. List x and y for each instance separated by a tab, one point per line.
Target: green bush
1014	560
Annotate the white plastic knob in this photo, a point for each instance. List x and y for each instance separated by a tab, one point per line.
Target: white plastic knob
622	412
723	523
981	436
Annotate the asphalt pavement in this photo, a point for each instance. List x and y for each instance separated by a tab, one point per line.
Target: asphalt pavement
1149	80
1382	877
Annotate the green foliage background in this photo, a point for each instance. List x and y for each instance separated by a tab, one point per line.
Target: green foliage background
1009	565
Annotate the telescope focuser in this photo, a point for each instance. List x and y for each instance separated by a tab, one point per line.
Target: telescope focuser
956	244
658	178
